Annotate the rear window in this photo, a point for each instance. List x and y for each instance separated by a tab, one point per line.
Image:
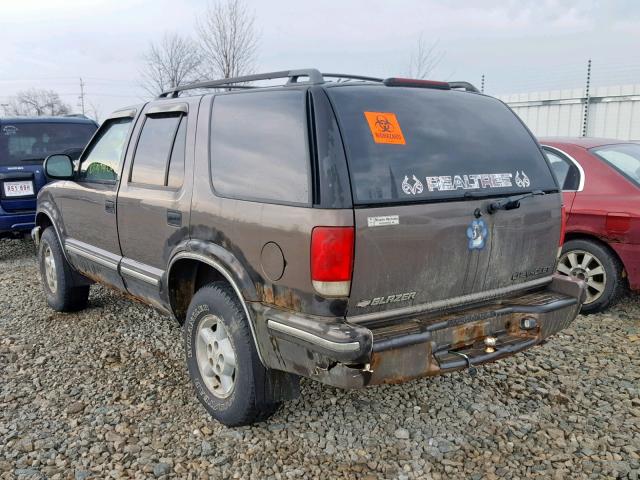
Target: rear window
624	157
33	142
412	144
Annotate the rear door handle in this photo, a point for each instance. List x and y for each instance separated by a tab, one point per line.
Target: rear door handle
174	218
110	206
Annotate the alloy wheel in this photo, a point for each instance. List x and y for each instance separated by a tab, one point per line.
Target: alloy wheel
585	266
215	356
50	269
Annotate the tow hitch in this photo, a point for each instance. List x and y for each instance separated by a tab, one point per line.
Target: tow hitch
490	344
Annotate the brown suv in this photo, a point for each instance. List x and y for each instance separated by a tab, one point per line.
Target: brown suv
357	232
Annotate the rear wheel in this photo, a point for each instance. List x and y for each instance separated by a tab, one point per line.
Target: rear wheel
599	268
63	291
224	366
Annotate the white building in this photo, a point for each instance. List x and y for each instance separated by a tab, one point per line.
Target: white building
613	112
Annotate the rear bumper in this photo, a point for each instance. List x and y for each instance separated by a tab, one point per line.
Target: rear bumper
353	356
17	222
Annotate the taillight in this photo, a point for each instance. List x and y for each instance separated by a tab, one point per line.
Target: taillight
332	260
563	225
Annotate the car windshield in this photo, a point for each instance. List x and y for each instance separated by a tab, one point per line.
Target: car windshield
624	157
22	142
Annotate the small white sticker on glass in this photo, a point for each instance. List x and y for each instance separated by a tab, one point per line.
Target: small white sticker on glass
9	130
383	221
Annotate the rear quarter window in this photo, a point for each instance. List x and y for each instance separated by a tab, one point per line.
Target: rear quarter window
259	147
155	149
624	157
413	144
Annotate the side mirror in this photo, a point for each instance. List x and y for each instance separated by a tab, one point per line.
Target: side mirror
58	167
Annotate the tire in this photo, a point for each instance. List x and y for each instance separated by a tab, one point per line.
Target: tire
599	267
216	335
60	283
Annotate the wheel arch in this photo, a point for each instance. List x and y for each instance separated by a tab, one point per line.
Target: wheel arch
188	271
43	220
603	243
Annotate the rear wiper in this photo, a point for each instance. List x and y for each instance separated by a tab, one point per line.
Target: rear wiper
511	203
476	195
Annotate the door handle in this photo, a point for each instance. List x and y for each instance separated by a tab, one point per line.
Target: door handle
174	218
110	206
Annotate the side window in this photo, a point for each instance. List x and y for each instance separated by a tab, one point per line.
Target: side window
158	147
102	161
565	171
259	148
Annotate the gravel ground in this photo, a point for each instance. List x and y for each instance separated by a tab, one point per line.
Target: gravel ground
104	393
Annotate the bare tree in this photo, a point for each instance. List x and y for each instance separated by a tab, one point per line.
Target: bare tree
228	39
94	112
424	59
37	102
171	62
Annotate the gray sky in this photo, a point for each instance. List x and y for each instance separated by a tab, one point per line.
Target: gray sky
520	46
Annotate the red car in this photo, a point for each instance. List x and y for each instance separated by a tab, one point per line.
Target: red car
600	179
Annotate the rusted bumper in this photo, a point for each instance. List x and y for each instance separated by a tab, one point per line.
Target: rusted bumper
353	356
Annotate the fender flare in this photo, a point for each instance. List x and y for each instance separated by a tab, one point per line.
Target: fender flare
217	265
43	212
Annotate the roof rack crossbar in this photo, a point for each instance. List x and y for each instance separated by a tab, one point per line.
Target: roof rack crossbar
293	76
466	86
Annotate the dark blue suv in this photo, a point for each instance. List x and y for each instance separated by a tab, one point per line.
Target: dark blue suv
24	143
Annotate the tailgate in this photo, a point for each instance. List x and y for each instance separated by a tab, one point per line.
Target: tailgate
428	257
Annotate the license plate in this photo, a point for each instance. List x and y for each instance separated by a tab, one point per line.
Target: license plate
18	189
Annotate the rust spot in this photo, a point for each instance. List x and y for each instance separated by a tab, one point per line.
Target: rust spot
267	295
466	334
180	295
403	364
513	327
279	296
95	278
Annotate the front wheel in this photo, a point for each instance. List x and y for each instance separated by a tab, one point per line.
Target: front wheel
61	286
599	268
229	379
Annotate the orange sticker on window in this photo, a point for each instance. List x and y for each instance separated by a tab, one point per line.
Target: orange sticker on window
385	128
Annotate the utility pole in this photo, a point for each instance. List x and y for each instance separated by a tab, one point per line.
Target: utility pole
482	84
81	97
585	113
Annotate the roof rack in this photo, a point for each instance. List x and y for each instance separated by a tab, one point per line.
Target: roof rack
314	77
293	75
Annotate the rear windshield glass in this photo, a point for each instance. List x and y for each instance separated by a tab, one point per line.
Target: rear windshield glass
33	142
408	144
624	157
